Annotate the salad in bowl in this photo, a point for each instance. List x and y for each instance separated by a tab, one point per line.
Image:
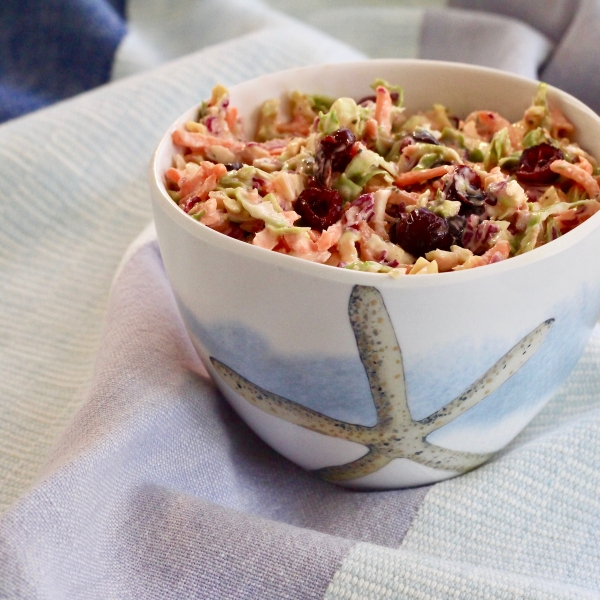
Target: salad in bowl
367	185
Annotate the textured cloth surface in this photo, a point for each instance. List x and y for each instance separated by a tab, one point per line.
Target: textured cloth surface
154	488
74	197
525	526
372	572
52	50
493	41
157	476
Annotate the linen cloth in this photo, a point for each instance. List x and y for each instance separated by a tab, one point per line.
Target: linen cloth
124	474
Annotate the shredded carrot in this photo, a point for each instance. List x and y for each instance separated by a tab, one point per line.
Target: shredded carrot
365	234
231	115
266	239
201	182
297	126
383	109
575	216
500	251
578	175
487	123
412	177
274	147
371	128
317	249
200	141
213	217
403	197
173	174
585	164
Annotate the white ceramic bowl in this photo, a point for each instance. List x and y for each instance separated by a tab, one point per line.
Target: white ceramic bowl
374	382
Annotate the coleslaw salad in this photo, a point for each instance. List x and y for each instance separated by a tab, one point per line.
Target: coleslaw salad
418	193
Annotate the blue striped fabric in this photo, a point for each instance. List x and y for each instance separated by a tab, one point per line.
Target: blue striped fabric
53	50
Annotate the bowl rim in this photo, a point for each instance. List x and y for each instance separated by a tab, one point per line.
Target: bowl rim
162	201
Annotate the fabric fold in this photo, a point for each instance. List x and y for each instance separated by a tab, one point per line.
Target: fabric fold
483	39
157	478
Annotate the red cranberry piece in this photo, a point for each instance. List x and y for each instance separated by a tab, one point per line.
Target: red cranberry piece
190	203
334	153
339	147
236	232
534	166
465	186
421	231
319	207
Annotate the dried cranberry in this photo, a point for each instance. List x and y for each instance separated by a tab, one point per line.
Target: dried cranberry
465	186
454	120
236	232
534	166
319	207
424	137
334	153
371	98
339	147
421	231
190	203
258	183
236	166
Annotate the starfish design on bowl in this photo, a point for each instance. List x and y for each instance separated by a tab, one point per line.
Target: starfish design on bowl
396	434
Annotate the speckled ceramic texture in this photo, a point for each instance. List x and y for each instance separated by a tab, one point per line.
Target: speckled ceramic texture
369	381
